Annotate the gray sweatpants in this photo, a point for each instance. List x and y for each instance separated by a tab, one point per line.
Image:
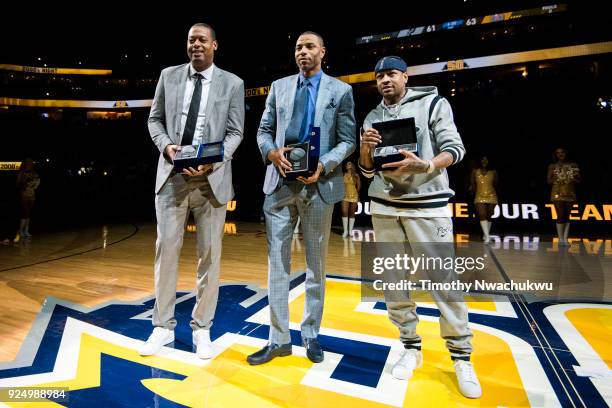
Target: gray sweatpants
453	314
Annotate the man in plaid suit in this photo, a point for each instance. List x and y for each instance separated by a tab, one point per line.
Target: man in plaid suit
295	105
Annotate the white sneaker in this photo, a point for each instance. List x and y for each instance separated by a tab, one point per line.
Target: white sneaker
159	338
409	360
201	339
467	379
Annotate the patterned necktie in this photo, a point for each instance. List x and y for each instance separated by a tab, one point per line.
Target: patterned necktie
192	116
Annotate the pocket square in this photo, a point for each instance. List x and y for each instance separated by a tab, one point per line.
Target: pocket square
332	104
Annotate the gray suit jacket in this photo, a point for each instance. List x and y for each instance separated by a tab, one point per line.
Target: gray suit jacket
224	122
333	114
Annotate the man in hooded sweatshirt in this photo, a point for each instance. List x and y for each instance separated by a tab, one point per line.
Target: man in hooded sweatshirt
409	204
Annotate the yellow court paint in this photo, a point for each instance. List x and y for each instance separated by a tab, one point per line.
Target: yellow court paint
595	325
228	380
434	385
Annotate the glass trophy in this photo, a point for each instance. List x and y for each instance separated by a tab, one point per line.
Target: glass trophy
304	157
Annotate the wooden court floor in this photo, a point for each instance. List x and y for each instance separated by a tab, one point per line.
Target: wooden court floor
113	264
94	265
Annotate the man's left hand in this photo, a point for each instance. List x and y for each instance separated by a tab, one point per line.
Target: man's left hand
411	164
202	170
314	177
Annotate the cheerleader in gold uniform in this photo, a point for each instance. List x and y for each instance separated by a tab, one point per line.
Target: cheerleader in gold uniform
352	184
27	182
483	184
563	176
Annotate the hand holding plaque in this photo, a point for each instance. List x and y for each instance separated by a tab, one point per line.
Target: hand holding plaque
396	135
304	157
195	155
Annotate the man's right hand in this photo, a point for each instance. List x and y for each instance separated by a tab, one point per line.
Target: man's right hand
277	157
171	151
369	139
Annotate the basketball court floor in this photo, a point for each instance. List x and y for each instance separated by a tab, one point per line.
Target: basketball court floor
78	304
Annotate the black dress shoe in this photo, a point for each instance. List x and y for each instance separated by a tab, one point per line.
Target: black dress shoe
314	352
269	352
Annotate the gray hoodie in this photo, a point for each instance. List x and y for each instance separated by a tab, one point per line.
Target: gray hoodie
439	135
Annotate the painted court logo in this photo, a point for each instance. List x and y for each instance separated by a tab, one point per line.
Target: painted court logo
92	353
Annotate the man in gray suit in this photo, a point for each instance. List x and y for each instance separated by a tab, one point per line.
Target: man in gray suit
194	103
297	103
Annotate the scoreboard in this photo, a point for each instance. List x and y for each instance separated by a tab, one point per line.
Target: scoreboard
472	21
